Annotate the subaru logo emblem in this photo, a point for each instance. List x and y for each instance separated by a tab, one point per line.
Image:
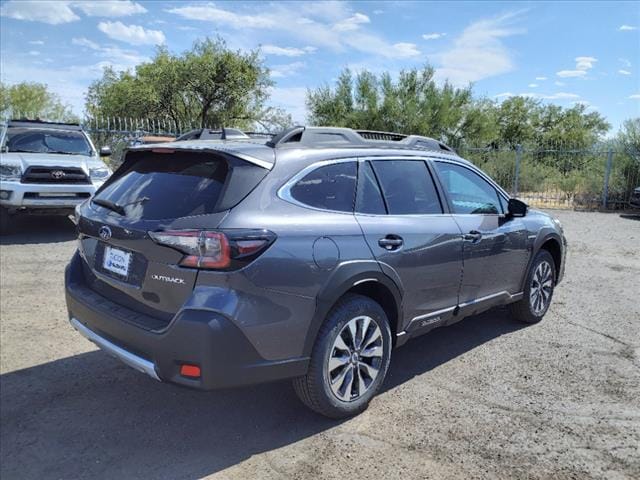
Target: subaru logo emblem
58	174
105	232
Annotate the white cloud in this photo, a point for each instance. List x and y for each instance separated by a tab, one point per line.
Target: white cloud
479	51
571	73
559	84
378	12
583	65
533	85
65	11
635	96
53	13
351	23
433	36
133	34
627	28
552	96
504	95
542	79
287	70
209	12
286	51
404	50
319	24
85	42
624	72
109	8
34	53
36	42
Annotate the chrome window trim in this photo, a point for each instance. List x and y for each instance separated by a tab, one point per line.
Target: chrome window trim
284	192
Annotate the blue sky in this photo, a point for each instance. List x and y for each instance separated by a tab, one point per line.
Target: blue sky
560	52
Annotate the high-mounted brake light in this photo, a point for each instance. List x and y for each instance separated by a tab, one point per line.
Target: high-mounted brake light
163	150
215	250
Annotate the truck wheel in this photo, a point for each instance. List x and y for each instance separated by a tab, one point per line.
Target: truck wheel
350	359
538	290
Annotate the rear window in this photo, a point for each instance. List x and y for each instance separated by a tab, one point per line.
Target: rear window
162	186
331	187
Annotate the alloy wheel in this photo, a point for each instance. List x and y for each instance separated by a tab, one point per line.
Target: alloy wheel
355	359
541	288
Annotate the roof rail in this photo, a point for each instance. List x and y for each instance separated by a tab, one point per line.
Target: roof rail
347	137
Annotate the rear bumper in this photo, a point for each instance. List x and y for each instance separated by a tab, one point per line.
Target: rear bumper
194	336
134	361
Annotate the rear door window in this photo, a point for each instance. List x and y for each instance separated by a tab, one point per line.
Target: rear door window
407	187
330	187
164	186
468	192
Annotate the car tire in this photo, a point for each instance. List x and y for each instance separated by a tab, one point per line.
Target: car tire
538	291
349	360
5	221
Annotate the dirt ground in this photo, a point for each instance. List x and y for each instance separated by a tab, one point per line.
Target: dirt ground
486	398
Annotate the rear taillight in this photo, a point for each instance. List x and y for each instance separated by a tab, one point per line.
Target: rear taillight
215	250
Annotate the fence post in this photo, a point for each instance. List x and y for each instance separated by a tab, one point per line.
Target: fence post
607	173
517	173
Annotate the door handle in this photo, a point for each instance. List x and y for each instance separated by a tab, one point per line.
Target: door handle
472	236
391	242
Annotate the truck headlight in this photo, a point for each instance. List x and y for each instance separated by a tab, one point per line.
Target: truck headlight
10	172
99	174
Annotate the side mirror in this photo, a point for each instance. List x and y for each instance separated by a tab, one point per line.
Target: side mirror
517	208
4	149
105	151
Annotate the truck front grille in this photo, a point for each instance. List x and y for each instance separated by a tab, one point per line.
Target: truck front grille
55	175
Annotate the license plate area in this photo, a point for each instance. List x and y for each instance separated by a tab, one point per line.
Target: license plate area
116	261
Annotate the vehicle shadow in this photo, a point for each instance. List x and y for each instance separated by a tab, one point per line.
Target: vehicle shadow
88	416
27	229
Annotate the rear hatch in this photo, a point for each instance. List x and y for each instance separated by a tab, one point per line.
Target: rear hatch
154	192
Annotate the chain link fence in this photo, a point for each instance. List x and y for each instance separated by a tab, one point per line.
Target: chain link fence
562	177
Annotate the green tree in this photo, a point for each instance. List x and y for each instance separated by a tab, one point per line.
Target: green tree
209	85
412	104
33	100
629	137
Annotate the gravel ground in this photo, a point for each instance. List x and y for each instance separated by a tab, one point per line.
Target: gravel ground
485	398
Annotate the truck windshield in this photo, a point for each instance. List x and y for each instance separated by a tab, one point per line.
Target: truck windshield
47	140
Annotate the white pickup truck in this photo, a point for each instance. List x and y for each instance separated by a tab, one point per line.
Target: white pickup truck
46	168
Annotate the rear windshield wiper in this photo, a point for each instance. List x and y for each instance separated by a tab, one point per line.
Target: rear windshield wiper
116	207
110	205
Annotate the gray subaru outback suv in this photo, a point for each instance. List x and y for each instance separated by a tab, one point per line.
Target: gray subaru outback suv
312	256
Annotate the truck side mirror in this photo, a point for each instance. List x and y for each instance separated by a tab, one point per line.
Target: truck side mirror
105	151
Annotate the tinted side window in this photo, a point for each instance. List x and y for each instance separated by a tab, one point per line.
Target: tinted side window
468	191
407	187
331	187
369	197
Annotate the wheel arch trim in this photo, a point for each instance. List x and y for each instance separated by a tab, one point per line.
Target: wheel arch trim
344	278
